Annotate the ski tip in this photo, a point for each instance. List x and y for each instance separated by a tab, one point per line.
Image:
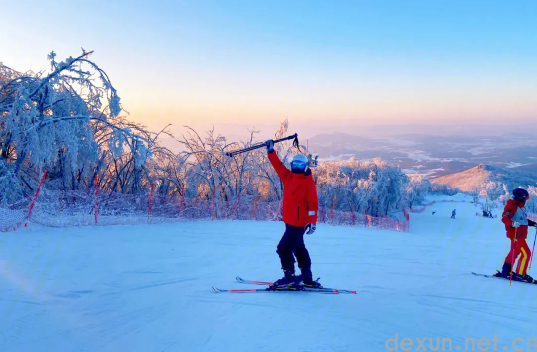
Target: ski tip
216	289
239	279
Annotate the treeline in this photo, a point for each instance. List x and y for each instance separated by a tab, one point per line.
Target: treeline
499	192
69	122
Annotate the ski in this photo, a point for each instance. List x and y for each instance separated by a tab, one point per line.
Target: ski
283	289
504	278
324	289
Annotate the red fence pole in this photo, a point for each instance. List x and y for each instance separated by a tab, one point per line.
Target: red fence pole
96	180
35	197
150	200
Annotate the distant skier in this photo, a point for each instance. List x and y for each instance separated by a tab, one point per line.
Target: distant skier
300	212
453	213
516	224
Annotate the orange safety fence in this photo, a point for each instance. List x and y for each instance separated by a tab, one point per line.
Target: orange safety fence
79	208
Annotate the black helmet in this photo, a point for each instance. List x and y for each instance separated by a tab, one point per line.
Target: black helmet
521	195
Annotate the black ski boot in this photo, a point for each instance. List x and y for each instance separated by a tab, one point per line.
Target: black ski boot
308	279
506	271
288	279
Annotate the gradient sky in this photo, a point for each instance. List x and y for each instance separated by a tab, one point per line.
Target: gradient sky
338	62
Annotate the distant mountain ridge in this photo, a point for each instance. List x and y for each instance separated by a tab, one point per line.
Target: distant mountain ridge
431	156
475	177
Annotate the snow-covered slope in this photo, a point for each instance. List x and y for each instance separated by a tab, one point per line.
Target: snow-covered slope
148	288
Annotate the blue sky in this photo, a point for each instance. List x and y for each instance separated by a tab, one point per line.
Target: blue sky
349	62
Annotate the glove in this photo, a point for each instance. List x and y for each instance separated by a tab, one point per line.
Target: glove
310	228
270	145
516	224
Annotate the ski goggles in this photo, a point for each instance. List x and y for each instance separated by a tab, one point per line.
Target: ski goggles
298	165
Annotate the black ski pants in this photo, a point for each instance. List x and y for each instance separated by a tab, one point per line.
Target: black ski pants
292	245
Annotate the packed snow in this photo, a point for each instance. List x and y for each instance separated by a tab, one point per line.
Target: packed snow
148	288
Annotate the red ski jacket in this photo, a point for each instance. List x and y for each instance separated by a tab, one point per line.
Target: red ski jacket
300	202
516	211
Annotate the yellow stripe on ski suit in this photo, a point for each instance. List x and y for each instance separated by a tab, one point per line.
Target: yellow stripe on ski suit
523	260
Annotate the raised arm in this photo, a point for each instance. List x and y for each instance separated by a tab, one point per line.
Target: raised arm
277	164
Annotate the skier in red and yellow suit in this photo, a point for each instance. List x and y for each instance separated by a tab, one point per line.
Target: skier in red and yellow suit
300	213
516	224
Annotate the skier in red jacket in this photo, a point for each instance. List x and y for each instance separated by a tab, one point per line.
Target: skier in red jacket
516	224
300	207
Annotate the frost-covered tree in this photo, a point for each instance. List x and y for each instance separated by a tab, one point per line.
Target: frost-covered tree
435	188
66	121
373	186
531	204
505	196
417	188
491	190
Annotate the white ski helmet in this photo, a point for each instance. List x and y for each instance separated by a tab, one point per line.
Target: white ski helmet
300	163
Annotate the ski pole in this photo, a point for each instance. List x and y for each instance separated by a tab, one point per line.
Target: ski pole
513	260
533	250
264	144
